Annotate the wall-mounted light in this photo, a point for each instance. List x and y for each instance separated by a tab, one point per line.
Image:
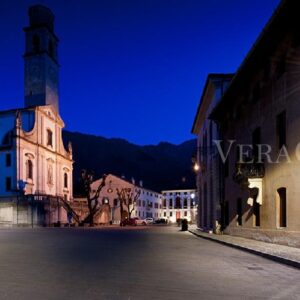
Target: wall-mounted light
196	167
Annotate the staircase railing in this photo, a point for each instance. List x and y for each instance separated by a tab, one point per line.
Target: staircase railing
70	210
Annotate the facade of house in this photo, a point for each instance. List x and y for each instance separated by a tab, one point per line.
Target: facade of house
169	205
260	110
208	166
36	169
145	203
179	204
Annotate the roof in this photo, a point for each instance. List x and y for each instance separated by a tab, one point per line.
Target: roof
34	108
130	182
180	190
14	110
209	78
286	16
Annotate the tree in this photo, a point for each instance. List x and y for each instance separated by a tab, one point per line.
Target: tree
128	197
91	196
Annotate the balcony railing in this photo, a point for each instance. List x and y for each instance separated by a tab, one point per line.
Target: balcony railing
244	171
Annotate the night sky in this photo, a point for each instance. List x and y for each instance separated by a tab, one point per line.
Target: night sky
134	69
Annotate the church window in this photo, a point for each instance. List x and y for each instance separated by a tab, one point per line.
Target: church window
36	43
49	138
50	174
8	160
8	183
7	139
170	203
29	169
66	180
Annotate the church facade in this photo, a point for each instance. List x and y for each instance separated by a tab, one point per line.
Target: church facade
36	169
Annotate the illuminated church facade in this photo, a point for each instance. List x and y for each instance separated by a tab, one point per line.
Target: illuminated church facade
36	169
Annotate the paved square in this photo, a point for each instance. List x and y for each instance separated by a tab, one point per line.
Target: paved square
134	263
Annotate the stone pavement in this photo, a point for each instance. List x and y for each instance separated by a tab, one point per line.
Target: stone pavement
282	254
134	263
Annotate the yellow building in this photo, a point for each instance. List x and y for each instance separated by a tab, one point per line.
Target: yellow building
259	117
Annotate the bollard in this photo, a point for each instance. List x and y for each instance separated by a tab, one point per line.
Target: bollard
184	225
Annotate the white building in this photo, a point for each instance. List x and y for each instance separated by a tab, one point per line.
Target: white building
149	205
179	204
36	169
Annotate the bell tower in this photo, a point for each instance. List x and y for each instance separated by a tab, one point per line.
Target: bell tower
40	59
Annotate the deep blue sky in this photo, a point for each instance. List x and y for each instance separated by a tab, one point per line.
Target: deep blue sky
133	68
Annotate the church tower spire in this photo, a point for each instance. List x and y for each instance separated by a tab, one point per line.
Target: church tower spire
40	59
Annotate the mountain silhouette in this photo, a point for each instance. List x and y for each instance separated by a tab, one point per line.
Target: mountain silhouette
160	167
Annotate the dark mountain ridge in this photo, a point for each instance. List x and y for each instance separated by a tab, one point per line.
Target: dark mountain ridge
160	167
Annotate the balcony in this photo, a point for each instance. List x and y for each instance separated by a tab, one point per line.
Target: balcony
249	176
245	171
